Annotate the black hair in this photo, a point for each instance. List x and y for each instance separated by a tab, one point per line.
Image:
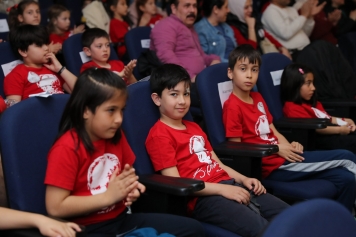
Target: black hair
244	51
167	76
110	3
293	78
91	34
174	2
17	10
208	6
93	87
26	35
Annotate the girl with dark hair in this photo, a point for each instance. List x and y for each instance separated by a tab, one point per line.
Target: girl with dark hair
147	13
299	98
89	176
26	12
215	36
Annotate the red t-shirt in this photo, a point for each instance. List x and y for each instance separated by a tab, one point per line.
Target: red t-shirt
2	105
115	66
293	110
25	81
117	31
154	20
85	174
188	150
250	122
59	38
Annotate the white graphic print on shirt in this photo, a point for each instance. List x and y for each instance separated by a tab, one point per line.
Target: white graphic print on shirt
197	146
99	174
47	82
320	114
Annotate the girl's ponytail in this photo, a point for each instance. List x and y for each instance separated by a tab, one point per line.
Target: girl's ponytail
13	17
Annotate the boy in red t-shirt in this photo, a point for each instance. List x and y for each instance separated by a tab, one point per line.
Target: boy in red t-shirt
246	118
96	45
40	72
180	148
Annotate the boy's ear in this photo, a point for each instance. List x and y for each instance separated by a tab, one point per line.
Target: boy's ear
22	53
87	51
20	18
156	99
229	73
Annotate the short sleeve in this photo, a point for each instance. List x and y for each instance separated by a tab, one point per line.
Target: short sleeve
232	120
161	152
128	155
14	83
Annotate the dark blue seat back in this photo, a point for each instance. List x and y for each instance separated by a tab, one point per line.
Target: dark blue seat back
272	62
318	217
72	48
7	57
207	85
27	132
134	40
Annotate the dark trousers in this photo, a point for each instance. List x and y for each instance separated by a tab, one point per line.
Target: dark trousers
163	223
235	217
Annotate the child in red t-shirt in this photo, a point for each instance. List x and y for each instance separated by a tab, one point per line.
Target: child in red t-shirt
180	148
246	118
59	24
96	45
120	24
147	13
40	72
298	95
89	175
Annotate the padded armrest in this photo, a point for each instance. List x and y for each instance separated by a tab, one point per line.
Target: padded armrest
245	149
301	123
339	103
171	185
32	232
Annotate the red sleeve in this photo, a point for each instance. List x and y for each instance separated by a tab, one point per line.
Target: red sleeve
2	105
292	110
14	82
154	19
273	40
128	155
240	39
55	38
232	120
320	107
322	27
86	66
161	151
117	32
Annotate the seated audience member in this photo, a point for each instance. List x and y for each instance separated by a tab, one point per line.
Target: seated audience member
120	24
59	24
246	118
298	95
347	21
133	14
40	72
7	4
28	12
248	29
286	25
96	44
180	148
175	41
215	36
147	13
13	219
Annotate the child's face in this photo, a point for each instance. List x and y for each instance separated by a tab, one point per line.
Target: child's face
31	15
107	118
63	21
121	8
35	55
307	90
174	103
244	75
99	50
149	7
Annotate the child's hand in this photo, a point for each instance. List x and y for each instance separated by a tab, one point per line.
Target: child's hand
288	152
78	29
350	124
297	146
53	64
129	68
121	185
54	48
135	194
344	130
235	193
255	185
50	227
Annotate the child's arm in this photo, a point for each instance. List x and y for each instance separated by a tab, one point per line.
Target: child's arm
55	66
60	203
128	71
13	219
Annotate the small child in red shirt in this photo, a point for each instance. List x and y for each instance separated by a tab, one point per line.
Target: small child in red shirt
96	45
59	24
147	13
